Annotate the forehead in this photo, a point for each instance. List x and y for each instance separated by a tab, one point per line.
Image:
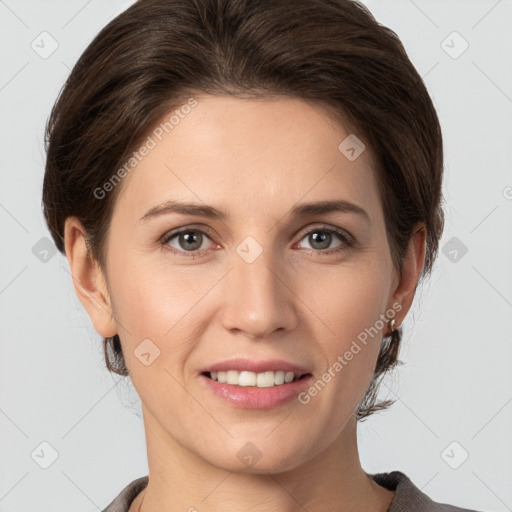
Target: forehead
255	156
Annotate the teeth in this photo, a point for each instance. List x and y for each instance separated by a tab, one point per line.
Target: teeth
260	380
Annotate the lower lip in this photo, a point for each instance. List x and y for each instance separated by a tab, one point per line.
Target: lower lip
251	397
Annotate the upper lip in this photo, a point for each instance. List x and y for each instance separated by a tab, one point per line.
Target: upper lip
251	365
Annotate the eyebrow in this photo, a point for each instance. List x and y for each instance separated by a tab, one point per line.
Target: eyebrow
301	210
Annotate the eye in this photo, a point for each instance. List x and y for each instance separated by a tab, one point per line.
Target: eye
188	240
322	237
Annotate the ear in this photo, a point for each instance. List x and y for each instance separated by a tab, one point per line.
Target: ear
412	265
88	279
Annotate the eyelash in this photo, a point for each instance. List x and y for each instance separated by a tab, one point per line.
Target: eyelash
347	241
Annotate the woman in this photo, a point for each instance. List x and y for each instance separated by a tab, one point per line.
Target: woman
248	194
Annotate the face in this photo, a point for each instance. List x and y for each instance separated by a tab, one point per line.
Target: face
269	280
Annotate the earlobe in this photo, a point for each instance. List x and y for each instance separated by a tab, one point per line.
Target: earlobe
412	266
88	279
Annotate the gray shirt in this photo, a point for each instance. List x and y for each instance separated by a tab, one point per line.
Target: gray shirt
407	496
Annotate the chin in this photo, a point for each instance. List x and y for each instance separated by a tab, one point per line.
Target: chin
247	458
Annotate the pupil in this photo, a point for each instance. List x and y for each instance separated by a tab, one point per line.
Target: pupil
189	237
323	236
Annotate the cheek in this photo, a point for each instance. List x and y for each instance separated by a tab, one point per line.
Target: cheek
345	299
347	304
163	303
152	297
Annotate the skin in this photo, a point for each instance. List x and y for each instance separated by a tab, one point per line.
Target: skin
255	159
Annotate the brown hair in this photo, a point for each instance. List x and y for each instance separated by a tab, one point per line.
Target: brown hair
157	53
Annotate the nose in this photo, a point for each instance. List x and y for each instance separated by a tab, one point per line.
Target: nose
258	297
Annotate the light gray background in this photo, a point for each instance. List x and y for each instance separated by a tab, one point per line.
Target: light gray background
456	385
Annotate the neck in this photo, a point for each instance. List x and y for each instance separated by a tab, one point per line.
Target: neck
333	479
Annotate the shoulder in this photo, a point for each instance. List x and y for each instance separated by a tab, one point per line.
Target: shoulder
409	497
122	502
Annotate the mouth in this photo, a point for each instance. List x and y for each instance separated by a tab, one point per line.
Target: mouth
257	380
248	383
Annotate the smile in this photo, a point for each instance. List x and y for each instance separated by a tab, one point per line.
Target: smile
246	378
